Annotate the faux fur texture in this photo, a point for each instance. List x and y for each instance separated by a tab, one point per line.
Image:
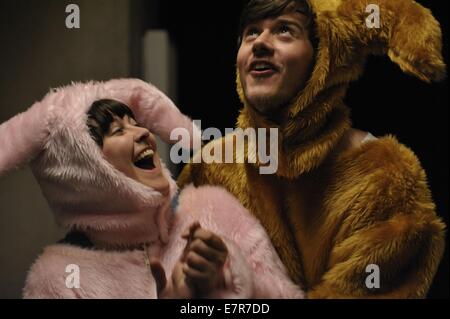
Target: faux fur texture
330	211
252	271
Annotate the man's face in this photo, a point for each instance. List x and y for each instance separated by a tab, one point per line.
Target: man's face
274	60
132	150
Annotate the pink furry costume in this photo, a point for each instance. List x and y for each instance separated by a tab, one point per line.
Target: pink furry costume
85	192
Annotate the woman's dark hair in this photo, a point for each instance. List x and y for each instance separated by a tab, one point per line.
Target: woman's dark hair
101	114
262	9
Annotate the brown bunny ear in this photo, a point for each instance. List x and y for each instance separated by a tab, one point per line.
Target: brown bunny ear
416	42
408	33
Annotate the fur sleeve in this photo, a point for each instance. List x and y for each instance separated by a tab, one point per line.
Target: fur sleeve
392	225
253	270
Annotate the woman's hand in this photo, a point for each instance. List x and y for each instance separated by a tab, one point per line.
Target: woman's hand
203	260
177	288
199	271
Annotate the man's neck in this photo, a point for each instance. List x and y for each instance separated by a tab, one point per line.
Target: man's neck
304	142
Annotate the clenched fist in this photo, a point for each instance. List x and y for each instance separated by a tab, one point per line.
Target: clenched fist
203	260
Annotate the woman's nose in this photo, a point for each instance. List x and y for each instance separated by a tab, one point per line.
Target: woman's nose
262	46
141	134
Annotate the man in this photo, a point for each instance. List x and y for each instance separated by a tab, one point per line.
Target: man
350	215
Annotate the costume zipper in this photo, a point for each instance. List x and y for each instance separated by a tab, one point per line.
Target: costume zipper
146	258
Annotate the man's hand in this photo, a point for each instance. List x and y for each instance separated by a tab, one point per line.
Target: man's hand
203	260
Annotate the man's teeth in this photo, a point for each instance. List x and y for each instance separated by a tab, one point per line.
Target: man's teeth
262	66
147	153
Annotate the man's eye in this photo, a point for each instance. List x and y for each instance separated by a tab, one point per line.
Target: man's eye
252	33
284	29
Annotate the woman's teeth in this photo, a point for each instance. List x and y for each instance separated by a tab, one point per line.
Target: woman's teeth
147	153
145	160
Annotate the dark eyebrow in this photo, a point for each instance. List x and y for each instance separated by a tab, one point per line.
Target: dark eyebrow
250	25
113	125
288	21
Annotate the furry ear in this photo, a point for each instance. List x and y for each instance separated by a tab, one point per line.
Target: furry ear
416	41
408	33
23	137
154	110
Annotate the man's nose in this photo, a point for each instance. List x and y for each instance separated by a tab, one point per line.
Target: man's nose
262	46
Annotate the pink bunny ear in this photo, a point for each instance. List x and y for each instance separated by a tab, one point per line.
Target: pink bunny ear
23	137
153	109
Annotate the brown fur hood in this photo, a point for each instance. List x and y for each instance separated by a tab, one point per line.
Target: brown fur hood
317	118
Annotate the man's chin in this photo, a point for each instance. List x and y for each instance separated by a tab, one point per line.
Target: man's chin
266	105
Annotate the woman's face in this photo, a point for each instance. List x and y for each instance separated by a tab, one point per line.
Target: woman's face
132	150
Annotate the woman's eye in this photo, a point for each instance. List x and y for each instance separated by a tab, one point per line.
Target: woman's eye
117	130
134	123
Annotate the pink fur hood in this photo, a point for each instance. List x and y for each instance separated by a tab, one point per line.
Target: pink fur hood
82	188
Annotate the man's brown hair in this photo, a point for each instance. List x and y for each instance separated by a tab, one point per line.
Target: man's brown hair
256	10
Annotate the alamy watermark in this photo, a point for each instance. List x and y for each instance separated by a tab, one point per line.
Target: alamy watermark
73	17
241	146
373	21
73	279
373	280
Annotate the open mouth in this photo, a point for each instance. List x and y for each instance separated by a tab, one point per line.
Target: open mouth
145	160
262	68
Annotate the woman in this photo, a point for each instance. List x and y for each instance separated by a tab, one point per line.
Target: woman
103	179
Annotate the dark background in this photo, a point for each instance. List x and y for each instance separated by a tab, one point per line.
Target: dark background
38	52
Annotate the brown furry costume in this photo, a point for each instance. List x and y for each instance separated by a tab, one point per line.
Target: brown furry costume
336	205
